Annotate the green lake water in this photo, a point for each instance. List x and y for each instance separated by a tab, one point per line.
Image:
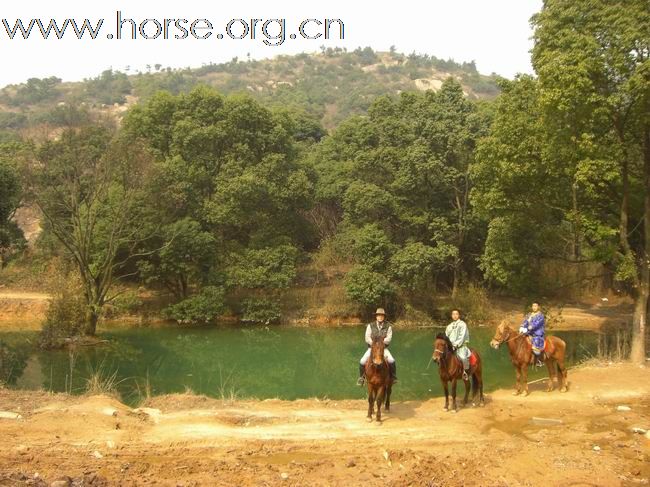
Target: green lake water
280	362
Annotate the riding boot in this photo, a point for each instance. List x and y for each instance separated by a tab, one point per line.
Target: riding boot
393	372
362	375
466	374
539	360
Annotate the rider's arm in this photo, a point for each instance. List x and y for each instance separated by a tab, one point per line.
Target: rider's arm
524	326
369	335
389	335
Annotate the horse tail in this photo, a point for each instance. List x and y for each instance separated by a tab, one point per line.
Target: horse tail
474	384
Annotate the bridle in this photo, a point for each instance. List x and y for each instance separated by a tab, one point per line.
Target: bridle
372	362
507	337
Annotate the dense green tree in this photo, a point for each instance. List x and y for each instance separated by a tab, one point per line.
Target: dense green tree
10	198
231	167
593	62
400	178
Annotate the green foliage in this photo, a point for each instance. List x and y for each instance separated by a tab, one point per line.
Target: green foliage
202	308
11	238
367	287
109	87
267	268
260	310
65	316
400	179
184	260
35	90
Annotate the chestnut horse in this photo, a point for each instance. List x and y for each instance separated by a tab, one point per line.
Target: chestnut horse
378	379
521	355
451	369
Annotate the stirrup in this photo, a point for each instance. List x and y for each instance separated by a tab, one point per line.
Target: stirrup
465	375
361	381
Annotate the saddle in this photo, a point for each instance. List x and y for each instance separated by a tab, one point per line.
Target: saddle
548	349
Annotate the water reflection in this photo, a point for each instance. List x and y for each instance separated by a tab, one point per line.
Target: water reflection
286	363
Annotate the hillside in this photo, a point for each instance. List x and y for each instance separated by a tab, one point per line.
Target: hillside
330	86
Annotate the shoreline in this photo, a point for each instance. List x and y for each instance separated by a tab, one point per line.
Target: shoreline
25	310
590	435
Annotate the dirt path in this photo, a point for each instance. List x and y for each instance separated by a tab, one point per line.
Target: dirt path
194	440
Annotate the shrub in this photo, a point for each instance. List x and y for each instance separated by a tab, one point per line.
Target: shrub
261	310
201	308
367	287
65	315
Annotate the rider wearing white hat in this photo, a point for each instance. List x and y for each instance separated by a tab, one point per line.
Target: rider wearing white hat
383	329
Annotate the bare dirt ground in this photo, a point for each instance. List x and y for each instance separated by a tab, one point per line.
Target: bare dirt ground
581	439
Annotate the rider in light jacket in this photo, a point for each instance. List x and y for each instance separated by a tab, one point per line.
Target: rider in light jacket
459	337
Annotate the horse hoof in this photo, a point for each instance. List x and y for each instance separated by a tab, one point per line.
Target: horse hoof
369	420
564	389
445	409
526	394
473	404
454	411
516	393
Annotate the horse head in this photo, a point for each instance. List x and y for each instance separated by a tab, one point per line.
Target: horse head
377	351
440	347
501	334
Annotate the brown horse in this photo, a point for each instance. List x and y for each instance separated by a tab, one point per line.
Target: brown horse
378	379
521	355
451	369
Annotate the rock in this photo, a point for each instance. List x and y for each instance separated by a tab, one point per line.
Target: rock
110	444
284	475
386	456
351	463
596	448
96	454
647	434
62	482
623	408
109	411
9	415
154	414
640	431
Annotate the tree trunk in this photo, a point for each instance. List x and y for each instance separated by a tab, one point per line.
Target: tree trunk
90	325
640	317
456	284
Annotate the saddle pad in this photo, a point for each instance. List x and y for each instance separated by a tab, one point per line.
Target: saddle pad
472	359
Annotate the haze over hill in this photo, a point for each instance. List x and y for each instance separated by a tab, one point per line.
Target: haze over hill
329	86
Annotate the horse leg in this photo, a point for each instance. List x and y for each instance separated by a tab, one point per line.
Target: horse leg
562	377
481	399
389	389
550	365
467	387
454	406
380	400
371	401
445	386
524	379
517	381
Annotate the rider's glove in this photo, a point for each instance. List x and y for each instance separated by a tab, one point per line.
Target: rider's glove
523	329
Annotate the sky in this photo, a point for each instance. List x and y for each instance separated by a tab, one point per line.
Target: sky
496	34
